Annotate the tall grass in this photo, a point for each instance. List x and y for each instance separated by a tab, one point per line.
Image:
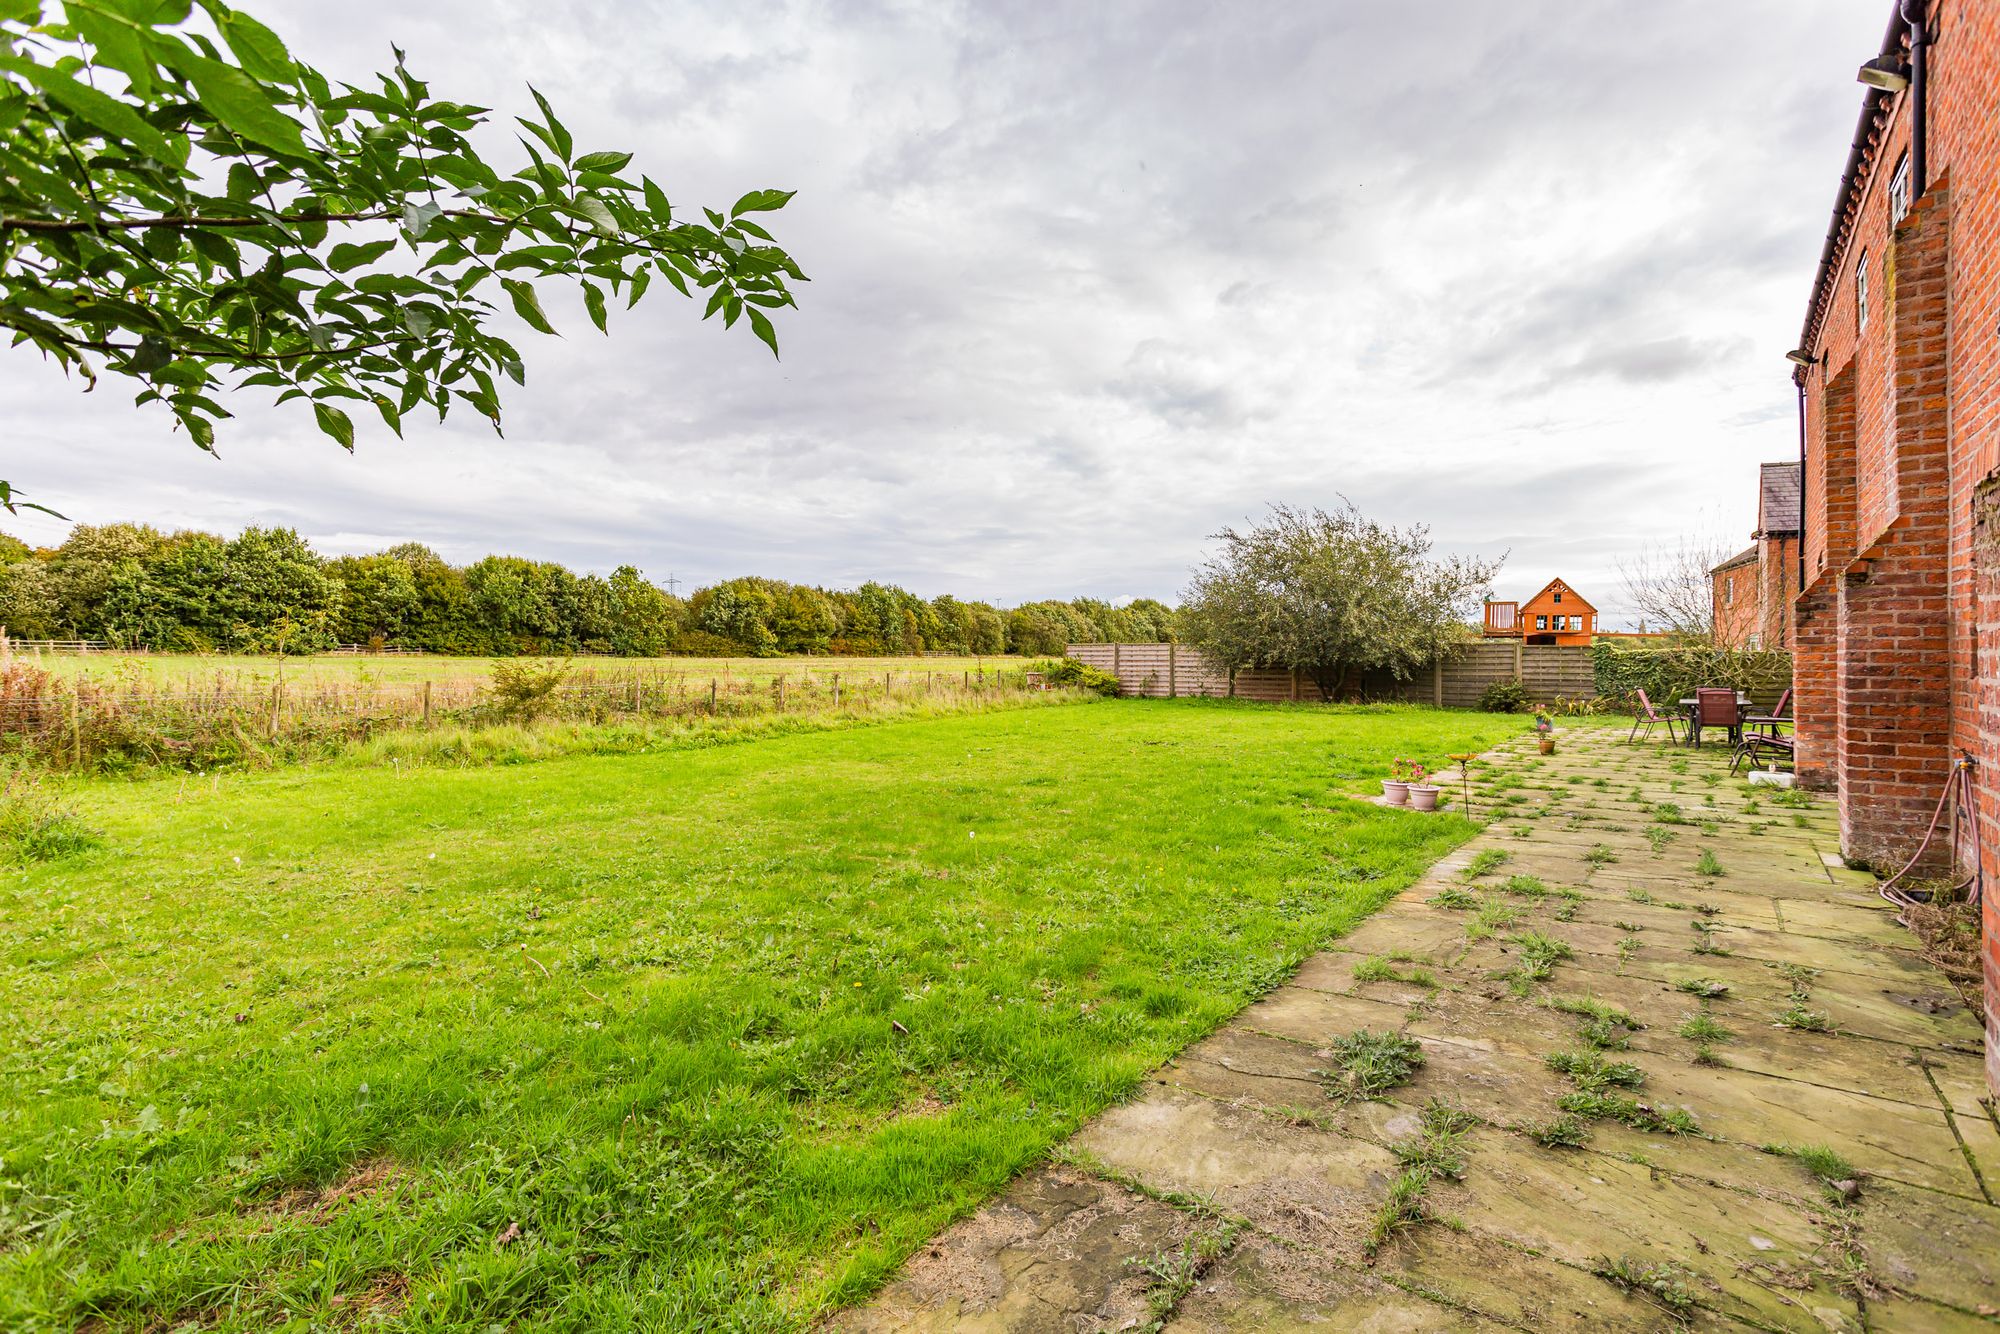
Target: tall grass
132	722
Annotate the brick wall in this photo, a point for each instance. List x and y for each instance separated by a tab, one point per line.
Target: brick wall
1734	594
1898	626
1777	585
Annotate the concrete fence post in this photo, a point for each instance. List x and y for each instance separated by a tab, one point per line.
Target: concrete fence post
1173	679
1437	683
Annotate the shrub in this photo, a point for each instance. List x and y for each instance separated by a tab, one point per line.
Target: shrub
522	688
35	825
1071	672
1671	672
1504	697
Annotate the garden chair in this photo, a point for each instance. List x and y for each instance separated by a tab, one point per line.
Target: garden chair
1715	707
1755	744
1763	733
1648	716
1777	718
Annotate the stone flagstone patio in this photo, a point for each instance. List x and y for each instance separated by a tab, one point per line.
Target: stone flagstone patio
1629	994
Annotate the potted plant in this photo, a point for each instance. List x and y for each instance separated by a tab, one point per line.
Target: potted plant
1396	787
1545	733
1423	794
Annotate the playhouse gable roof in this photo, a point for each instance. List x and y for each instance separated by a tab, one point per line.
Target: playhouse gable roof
1571	598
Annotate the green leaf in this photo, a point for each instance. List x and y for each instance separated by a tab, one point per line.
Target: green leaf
558	136
335	423
240	104
760	324
761	201
593	301
605	162
418	216
151	355
599	216
257	48
348	255
526	304
656	200
115	118
117	40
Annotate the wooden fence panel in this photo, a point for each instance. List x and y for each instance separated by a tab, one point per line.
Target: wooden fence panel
1159	671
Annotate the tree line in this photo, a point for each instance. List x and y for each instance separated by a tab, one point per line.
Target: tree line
266	590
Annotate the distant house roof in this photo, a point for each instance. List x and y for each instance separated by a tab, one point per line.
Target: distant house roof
1778	499
1558	586
1743	557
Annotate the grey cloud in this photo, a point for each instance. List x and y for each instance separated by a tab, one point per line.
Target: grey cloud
1090	281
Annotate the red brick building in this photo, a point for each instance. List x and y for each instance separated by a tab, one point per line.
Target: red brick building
1753	590
1899	377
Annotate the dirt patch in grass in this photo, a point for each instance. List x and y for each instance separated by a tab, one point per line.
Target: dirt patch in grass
383	1299
318	1204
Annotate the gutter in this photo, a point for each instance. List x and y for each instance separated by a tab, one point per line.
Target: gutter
1892	44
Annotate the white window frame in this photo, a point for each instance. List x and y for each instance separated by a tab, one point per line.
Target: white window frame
1899	191
1861	291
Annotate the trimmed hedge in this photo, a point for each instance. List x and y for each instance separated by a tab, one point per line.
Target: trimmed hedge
1668	673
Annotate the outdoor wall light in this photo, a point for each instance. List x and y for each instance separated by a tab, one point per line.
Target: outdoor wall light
1798	356
1885	72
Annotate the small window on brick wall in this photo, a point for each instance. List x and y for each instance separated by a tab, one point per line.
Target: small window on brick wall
1899	191
1861	292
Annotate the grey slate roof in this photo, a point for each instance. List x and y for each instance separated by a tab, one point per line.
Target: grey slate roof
1743	557
1778	499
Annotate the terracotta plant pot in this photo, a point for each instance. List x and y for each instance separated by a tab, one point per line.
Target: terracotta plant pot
1423	797
1397	791
1548	745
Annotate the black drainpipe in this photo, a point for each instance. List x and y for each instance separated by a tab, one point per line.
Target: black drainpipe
1913	14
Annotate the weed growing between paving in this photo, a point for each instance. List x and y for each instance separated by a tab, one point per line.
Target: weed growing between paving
713	1031
1539	955
1437	1151
1703	1027
1604	1026
1589	1071
1493	915
1384	968
1368	1064
1798	1015
1667	1285
1566	1131
1487	861
1172	1276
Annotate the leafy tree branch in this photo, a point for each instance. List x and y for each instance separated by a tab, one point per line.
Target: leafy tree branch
184	203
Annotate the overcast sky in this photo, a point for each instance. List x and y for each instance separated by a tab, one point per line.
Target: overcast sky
1090	282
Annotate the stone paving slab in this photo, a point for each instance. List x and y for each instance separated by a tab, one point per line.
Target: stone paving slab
1057	1247
1248	1153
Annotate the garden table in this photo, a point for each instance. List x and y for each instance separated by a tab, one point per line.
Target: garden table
1691	705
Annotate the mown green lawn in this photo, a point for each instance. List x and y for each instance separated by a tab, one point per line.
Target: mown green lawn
699	1039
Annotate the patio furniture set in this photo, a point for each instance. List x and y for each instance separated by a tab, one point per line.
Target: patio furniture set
1754	736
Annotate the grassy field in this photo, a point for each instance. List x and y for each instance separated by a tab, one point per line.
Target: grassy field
701	1039
168	669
